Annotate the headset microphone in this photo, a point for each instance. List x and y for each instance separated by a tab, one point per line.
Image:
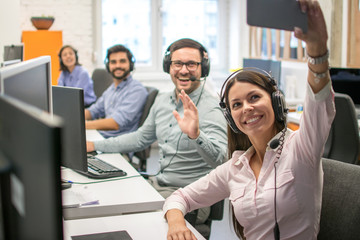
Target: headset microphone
274	143
193	79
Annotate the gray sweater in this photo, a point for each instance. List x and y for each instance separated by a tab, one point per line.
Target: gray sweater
182	160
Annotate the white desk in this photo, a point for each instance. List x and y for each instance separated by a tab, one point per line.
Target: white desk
130	204
93	135
294	117
150	225
123	195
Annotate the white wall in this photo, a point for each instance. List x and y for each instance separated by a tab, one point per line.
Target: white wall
9	24
73	18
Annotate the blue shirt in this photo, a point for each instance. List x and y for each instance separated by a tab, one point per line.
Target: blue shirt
79	78
123	103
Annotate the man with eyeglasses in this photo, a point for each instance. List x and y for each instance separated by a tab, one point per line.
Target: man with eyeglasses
187	123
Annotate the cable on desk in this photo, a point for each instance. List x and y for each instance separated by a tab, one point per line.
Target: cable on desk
101	181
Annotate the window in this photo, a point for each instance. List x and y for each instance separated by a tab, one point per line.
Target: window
129	23
148	27
282	42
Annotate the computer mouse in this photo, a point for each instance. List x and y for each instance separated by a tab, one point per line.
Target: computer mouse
65	184
93	153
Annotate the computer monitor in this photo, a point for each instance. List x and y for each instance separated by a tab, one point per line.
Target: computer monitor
270	66
14	52
30	180
347	80
4	168
29	81
68	103
10	62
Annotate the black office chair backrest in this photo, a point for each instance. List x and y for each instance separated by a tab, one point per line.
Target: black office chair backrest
152	93
340	211
102	80
145	154
343	141
216	213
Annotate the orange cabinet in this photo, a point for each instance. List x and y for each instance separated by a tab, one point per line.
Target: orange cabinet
44	42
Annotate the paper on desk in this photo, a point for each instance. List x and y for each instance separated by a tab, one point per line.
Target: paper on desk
77	197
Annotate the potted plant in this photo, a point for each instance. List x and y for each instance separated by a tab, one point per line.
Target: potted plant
43	22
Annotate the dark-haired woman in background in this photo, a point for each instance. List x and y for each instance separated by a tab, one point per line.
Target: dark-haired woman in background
274	178
74	75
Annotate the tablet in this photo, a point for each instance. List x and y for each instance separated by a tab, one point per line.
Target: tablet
278	14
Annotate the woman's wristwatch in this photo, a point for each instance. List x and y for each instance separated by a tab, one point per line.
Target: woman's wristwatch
317	60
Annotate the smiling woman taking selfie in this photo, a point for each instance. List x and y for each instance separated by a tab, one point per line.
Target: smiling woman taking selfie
274	177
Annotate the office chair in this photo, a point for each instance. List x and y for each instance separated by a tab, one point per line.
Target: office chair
145	154
216	213
340	210
343	141
102	80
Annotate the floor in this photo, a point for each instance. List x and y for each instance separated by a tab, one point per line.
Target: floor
219	229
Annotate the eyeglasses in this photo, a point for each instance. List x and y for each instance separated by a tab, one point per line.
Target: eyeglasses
191	66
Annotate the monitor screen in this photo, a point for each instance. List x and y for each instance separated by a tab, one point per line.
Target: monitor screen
13	52
68	103
347	80
29	81
270	66
31	183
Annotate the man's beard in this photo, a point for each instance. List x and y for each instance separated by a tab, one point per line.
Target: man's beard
121	77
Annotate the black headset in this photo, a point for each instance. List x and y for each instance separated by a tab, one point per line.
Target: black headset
205	62
119	48
277	99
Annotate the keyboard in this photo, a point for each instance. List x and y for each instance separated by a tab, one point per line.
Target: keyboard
100	169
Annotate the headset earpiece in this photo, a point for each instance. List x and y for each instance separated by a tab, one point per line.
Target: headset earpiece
132	63
278	103
205	67
60	60
230	120
106	62
167	60
228	117
76	56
